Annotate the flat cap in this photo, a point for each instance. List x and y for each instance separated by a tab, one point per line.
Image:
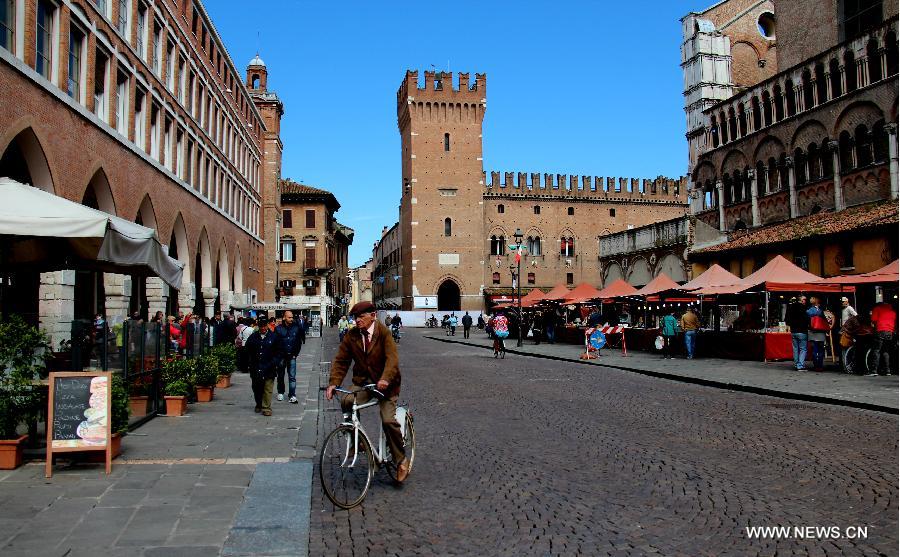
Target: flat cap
362	307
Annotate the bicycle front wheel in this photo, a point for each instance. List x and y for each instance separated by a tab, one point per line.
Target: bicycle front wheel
346	467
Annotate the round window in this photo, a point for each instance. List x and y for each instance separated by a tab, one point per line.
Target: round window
766	25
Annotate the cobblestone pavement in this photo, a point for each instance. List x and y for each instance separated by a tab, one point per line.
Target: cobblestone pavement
527	456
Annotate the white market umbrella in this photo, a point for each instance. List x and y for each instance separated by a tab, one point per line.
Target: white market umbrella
45	232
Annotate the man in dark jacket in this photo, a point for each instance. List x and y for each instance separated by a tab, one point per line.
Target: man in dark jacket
226	331
290	333
371	349
467	324
264	355
798	322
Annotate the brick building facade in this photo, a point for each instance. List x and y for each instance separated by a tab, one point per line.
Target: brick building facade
135	108
456	225
314	270
802	162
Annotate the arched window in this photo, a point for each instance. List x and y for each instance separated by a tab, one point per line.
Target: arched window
761	179
767	108
571	211
723	128
891	53
732	125
790	98
821	84
813	163
808	100
447	142
534	245
567	246
448	227
779	104
501	209
863	146
799	166
880	142
714	131
827	160
850	71
498	245
834	74
772	178
756	114
537	209
254	81
742	119
845	146
874	60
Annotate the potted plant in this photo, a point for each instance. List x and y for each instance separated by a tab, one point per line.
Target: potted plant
176	394
137	399
24	350
227	356
120	414
205	376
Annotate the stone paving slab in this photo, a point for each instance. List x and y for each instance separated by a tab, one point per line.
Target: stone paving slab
178	486
769	378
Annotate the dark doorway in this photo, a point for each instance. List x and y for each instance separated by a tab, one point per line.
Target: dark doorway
199	308
448	296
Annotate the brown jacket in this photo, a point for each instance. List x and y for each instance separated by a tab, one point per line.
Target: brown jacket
689	321
380	362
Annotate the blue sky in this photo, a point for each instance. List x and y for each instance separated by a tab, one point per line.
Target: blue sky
592	88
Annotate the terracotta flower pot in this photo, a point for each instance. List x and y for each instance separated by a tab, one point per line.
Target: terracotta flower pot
11	453
224	382
204	394
138	406
176	405
115	444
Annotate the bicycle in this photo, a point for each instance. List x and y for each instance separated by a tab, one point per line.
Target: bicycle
395	333
499	348
347	462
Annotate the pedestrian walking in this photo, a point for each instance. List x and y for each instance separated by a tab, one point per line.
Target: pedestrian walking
884	321
453	322
265	355
467	324
690	324
244	330
343	325
304	324
550	326
798	323
818	328
668	327
289	333
847	311
481	321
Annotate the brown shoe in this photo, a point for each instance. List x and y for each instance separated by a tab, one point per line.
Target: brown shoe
402	471
266	412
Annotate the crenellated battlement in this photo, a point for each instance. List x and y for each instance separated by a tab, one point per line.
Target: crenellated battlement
573	186
440	86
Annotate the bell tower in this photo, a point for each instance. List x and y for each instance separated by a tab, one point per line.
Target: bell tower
440	128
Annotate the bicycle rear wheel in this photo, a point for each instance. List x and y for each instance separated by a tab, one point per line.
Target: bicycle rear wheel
409	447
345	468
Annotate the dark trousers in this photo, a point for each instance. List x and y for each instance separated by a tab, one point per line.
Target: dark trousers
668	346
466	329
881	347
258	384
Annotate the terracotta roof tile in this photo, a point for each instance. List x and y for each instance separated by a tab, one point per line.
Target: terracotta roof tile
821	224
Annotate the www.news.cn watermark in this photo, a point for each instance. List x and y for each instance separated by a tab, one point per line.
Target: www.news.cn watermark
806	532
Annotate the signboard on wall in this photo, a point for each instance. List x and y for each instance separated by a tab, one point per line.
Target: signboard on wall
425	302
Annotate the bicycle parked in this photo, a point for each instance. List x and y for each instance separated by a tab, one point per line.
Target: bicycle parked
347	462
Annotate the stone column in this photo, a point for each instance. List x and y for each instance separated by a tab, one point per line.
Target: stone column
209	293
891	129
118	297
186	297
56	305
754	196
828	92
843	70
792	187
834	149
720	189
226	299
157	296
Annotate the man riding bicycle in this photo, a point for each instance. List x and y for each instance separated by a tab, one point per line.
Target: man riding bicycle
371	349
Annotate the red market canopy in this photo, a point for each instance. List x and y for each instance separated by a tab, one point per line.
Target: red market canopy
890	273
532	298
660	283
714	276
617	289
778	275
582	293
557	294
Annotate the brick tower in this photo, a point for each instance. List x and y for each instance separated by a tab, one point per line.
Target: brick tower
441	217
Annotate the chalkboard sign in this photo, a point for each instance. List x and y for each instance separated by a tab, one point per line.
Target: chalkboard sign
78	418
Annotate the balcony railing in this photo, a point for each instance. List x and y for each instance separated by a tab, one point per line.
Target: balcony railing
646	237
839	71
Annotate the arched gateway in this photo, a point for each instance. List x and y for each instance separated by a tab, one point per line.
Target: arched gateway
448	296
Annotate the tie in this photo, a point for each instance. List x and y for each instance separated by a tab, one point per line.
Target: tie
365	334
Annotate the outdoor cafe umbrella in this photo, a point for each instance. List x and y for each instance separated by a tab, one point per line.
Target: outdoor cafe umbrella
584	292
616	289
557	294
41	231
714	276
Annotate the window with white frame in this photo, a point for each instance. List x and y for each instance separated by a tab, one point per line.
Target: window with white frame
101	85
142	31
8	25
567	246
288	250
170	66
44	20
124	15
156	60
154	132
102	7
76	64
179	153
182	80
166	158
534	245
140	101
122	81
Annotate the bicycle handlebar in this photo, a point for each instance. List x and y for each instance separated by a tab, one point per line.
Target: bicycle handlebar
371	387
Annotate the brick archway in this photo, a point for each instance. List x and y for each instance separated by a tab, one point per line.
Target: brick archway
449	296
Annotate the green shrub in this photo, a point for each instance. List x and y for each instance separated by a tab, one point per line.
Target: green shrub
206	372
227	356
178	387
120	408
178	370
24	351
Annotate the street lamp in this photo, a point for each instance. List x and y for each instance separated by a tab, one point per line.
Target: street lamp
518	236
